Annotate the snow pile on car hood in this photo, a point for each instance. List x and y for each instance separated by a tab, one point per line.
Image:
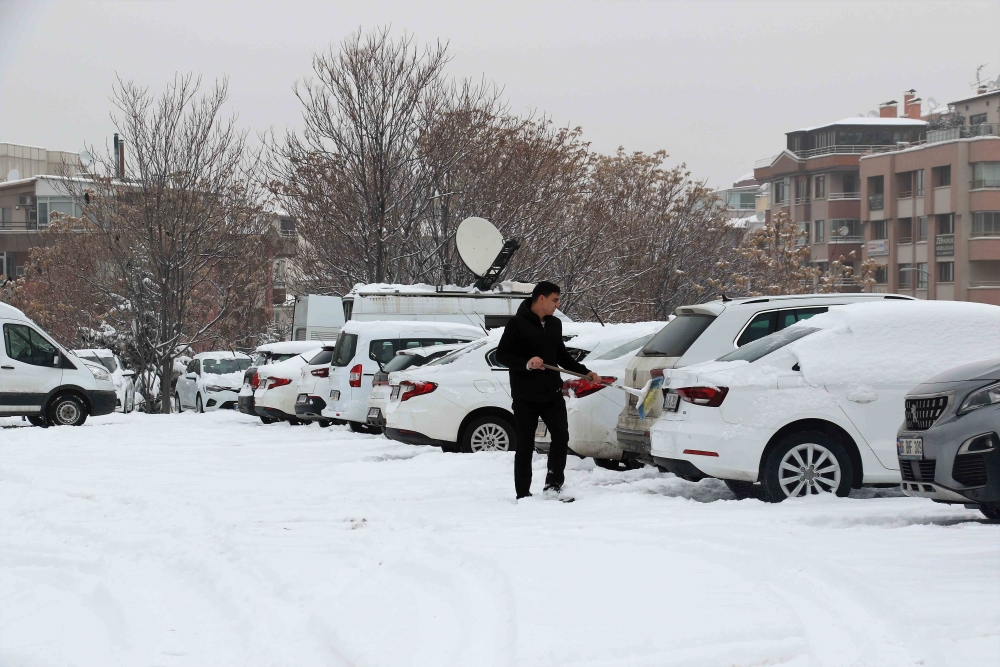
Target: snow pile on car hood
289	368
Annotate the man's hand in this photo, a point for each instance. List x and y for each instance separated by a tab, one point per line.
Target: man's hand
594	377
535	364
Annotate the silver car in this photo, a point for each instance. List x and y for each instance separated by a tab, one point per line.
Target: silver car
949	445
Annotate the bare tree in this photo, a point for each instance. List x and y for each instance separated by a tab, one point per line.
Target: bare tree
775	260
182	234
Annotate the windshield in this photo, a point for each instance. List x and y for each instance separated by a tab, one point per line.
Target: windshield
344	352
404	361
460	352
764	346
322	359
224	366
631	346
674	339
107	362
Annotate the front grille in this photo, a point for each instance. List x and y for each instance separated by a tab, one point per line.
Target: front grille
921	413
970	469
917	471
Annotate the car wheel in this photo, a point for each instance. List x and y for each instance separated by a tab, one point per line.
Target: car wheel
323	423
358	427
38	420
990	512
804	464
198	407
67	410
621	466
177	403
488	434
744	490
267	420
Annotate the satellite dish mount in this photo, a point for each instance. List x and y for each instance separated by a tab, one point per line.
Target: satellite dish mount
484	250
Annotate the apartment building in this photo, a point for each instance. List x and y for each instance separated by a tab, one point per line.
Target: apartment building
931	211
816	179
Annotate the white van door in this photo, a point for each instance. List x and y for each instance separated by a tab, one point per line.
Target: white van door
30	367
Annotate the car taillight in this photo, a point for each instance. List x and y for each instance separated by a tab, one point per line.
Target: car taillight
355	376
278	382
711	397
411	389
255	381
322	372
583	387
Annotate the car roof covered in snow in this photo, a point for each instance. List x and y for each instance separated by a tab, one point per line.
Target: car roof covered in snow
12	313
222	354
290	346
424	289
717	306
95	351
393	327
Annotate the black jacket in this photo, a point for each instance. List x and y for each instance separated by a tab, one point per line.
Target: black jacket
524	337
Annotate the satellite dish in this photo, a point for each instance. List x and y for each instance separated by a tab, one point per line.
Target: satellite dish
873	114
932	103
13	175
844	231
86	159
484	250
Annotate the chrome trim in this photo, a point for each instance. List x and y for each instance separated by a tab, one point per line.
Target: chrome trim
937	493
964	448
950	394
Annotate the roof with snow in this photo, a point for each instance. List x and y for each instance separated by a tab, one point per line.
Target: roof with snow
879	122
505	287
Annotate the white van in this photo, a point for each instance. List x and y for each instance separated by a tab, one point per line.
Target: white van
41	380
317	317
430	303
363	348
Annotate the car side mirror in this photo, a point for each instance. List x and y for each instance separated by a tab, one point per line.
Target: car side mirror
128	374
57	361
191	376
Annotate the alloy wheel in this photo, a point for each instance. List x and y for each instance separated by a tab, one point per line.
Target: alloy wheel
489	437
809	469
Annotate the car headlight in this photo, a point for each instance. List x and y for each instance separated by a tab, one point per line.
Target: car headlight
980	398
214	388
99	373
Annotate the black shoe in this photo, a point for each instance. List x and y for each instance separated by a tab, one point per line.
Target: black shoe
526	495
553	488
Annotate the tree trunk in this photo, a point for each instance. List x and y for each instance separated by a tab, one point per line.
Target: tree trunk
166	374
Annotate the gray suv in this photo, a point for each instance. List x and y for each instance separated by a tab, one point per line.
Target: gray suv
949	445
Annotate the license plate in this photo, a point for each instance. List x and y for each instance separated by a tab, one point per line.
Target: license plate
374	413
335	395
671	401
541	430
395	393
302	399
910	448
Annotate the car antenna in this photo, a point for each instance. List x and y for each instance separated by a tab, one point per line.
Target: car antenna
725	299
597	316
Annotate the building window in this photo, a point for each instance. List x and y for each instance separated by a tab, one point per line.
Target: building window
820	187
803	236
942	176
920	182
978	119
946	272
820	231
946	223
845	230
880	230
922	228
780	195
881	274
986	175
6	217
986	223
748	200
921	272
905	230
905	275
850	183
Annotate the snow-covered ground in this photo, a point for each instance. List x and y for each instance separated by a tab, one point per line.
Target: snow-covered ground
215	540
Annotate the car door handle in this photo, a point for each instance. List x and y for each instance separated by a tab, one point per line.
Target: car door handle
7	368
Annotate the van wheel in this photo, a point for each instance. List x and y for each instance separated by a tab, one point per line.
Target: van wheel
198	407
744	490
488	434
67	410
38	420
177	403
806	464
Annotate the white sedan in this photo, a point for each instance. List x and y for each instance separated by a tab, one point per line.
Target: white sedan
277	388
815	407
592	409
414	357
211	381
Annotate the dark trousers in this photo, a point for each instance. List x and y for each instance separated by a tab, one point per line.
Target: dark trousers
526	414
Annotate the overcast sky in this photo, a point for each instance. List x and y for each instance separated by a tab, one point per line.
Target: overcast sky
714	83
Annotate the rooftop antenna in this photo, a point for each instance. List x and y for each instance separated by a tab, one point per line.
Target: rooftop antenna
979	80
484	250
13	175
932	104
86	159
873	114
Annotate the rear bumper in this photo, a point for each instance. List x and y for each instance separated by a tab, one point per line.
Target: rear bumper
635	445
376	421
246	405
102	402
681	468
273	413
414	438
311	409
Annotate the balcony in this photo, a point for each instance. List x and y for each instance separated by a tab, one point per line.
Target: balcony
843	195
876	202
836	239
829	150
983	185
961	132
905	194
801	200
904	240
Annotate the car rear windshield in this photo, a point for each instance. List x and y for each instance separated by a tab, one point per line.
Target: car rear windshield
321	359
764	346
622	350
224	366
460	352
403	361
674	339
347	344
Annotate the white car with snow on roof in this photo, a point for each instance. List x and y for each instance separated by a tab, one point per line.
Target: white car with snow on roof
212	381
277	388
815	408
269	353
121	377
